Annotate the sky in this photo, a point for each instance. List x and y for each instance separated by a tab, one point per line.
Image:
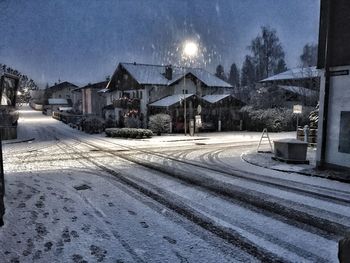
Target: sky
82	41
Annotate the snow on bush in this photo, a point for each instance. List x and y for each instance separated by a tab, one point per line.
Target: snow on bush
159	123
128	133
274	119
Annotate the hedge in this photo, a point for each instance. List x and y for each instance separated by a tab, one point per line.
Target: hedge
129	133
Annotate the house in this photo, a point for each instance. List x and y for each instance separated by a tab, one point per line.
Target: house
92	101
333	143
64	90
56	105
136	91
299	85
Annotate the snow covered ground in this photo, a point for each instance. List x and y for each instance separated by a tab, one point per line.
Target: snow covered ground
73	197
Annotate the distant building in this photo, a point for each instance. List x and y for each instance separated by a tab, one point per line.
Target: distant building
333	147
140	90
64	90
300	85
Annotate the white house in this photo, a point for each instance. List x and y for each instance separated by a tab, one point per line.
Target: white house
134	89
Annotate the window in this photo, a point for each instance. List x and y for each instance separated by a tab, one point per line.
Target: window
344	138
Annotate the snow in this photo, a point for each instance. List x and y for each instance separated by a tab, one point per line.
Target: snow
295	73
170	100
154	75
57	101
61	207
299	90
215	98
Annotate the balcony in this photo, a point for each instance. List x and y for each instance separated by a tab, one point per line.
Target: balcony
126	103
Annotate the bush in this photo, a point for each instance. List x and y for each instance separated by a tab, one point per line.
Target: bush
129	133
274	119
159	123
92	125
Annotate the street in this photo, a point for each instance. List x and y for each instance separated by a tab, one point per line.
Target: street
75	197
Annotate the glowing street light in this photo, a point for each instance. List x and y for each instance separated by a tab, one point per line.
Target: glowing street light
190	50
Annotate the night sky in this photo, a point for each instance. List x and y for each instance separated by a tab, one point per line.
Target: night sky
82	41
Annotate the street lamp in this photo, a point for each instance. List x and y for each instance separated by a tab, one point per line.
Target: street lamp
190	50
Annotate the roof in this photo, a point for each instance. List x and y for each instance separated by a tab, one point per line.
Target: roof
299	90
215	98
64	108
146	74
295	73
105	90
63	85
170	100
98	85
57	101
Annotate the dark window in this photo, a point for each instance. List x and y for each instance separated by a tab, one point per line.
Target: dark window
344	134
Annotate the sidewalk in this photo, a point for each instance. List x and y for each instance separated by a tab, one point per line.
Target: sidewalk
265	160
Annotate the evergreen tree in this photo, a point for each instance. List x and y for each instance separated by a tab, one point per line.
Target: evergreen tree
220	72
248	77
233	78
309	56
281	66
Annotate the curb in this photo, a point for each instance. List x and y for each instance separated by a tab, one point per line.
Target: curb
19	141
334	178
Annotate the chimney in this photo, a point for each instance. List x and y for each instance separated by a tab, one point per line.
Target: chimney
169	72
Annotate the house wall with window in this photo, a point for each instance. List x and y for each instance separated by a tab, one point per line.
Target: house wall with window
337	145
333	143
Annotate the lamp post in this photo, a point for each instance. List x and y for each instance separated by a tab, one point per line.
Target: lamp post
190	50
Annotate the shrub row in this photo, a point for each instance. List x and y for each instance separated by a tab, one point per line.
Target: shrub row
274	119
129	133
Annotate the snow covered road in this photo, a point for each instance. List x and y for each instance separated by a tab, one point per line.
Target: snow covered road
73	197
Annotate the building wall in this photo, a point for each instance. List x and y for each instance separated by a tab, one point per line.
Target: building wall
188	85
339	97
98	101
64	93
86	101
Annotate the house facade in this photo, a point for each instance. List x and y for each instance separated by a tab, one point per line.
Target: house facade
137	91
333	147
92	101
62	90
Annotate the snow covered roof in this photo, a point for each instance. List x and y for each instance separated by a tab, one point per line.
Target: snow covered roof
170	100
295	73
299	90
58	101
215	98
103	90
64	108
154	75
63	85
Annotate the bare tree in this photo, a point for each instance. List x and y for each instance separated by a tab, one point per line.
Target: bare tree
267	53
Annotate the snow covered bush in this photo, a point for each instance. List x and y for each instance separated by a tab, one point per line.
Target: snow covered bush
92	125
274	119
128	133
159	123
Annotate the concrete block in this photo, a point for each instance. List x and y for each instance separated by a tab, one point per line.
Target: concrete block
290	151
